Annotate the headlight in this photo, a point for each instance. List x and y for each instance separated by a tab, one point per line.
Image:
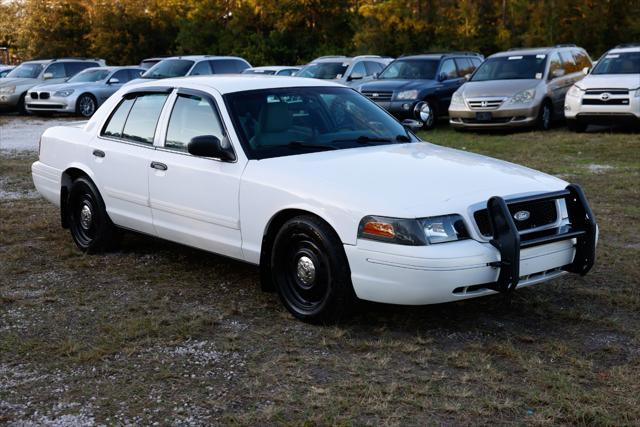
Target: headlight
7	89
413	232
457	98
524	97
574	91
63	93
408	94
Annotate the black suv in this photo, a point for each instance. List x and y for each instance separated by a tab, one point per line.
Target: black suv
420	86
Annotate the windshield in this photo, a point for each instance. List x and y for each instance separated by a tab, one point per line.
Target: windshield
411	69
619	63
28	71
324	70
288	121
168	68
252	71
514	67
89	76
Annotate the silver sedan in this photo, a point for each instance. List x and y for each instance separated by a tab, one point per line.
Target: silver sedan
82	94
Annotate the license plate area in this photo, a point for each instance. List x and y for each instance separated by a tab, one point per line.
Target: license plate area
484	116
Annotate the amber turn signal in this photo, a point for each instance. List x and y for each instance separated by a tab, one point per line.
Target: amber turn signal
379	229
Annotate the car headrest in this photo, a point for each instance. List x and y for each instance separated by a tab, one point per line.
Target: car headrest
274	117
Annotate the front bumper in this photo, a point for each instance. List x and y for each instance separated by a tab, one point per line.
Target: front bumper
411	275
56	104
505	116
9	101
603	114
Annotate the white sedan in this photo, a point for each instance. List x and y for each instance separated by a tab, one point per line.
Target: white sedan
329	194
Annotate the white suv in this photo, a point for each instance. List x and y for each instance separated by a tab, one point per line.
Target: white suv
610	93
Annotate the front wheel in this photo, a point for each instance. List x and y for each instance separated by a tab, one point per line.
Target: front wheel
90	226
86	105
425	111
545	116
310	271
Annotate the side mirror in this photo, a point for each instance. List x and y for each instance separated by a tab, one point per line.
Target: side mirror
47	76
356	76
467	77
559	72
586	70
113	81
210	146
412	125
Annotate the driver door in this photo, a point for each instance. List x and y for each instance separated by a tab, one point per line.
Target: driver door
194	200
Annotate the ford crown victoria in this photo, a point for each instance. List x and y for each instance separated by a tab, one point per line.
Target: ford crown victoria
331	196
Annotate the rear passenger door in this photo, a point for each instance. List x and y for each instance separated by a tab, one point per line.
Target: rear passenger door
121	158
194	200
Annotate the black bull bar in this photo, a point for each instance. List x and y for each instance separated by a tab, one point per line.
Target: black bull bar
507	239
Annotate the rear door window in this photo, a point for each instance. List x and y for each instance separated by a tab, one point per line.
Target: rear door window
143	118
228	66
73	68
115	124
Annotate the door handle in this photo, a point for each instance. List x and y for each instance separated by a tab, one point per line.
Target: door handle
98	153
159	166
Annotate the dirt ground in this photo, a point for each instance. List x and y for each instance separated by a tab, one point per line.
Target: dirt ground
156	333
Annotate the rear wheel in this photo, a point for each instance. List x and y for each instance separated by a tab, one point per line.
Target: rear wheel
311	272
544	116
90	226
86	105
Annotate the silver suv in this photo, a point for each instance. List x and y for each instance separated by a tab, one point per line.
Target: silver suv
519	88
348	71
14	87
194	65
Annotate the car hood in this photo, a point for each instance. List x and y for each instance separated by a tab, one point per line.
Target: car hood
610	81
60	86
398	85
18	81
492	88
402	180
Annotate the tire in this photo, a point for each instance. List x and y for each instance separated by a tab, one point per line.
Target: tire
431	122
310	271
21	107
86	105
576	126
545	116
90	226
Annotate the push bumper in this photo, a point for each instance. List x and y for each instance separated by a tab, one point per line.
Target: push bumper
411	275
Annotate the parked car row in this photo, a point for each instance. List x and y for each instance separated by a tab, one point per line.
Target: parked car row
513	89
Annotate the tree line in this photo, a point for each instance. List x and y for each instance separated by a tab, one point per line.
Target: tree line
296	31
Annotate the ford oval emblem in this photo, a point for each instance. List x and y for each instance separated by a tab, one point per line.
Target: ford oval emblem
522	215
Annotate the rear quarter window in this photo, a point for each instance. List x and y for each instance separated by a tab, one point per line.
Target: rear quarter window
73	68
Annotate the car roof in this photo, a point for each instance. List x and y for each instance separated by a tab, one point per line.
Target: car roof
225	83
274	67
350	59
534	50
201	57
626	49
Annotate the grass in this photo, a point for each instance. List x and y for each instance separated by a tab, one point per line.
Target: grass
161	332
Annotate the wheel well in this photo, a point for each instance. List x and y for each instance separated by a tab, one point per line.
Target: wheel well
68	176
276	222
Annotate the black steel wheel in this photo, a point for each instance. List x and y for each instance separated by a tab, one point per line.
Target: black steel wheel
86	105
90	226
311	272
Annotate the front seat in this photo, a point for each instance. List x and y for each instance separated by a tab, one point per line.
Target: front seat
275	126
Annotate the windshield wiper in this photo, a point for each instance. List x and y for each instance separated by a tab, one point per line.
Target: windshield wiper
364	139
303	144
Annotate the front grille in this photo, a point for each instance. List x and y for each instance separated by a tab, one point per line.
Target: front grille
485	104
610	101
541	213
44	95
378	95
609	91
34	95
